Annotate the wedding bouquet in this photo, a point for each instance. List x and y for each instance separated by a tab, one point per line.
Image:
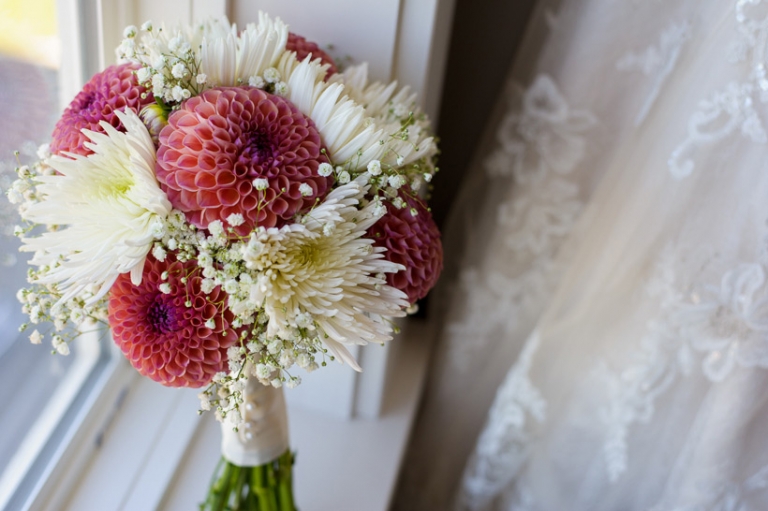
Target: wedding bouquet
232	206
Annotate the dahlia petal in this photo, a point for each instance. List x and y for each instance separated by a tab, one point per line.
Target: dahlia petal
278	142
206	181
414	243
100	99
304	49
158	333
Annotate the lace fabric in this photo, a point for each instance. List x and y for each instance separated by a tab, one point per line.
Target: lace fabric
617	268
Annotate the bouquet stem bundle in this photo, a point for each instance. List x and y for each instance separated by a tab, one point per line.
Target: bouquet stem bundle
268	487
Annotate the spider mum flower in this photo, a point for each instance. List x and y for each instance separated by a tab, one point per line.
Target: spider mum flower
391	106
163	339
114	89
217	144
302	47
413	242
326	268
111	205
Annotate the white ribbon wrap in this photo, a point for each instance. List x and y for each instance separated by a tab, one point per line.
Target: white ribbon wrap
264	435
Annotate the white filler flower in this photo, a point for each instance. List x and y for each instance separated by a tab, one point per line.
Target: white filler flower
334	275
110	208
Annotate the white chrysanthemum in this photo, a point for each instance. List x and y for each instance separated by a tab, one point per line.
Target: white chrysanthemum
112	208
335	275
227	57
357	121
389	107
348	132
233	59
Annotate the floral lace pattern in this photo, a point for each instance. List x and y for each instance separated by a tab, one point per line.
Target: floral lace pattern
543	137
540	221
501	448
727	323
658	61
520	499
718	326
540	142
495	300
733	109
724	325
727	111
727	495
679	367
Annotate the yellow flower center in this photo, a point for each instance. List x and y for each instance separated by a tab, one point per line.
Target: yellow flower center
114	187
308	255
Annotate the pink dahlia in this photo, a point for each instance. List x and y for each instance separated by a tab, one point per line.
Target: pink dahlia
219	142
115	88
162	337
414	242
302	47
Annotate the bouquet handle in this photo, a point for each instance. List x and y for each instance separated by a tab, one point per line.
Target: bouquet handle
263	435
256	470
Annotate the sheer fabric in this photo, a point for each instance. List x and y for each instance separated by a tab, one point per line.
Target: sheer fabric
615	225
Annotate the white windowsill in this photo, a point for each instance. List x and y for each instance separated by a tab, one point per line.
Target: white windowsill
87	351
159	455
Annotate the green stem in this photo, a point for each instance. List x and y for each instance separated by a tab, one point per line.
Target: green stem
268	487
285	485
221	489
242	477
271	496
252	502
261	489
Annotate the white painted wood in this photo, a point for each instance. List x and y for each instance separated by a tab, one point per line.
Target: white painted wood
363	30
85	434
371	383
330	390
37	454
193	474
169	12
139	452
422	49
165	454
72	71
202	9
87	350
114	16
157	454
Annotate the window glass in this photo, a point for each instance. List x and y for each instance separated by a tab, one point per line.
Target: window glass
29	374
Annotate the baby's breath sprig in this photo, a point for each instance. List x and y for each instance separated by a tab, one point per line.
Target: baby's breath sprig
169	68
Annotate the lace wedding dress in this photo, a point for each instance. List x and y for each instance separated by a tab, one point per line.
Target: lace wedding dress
616	226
